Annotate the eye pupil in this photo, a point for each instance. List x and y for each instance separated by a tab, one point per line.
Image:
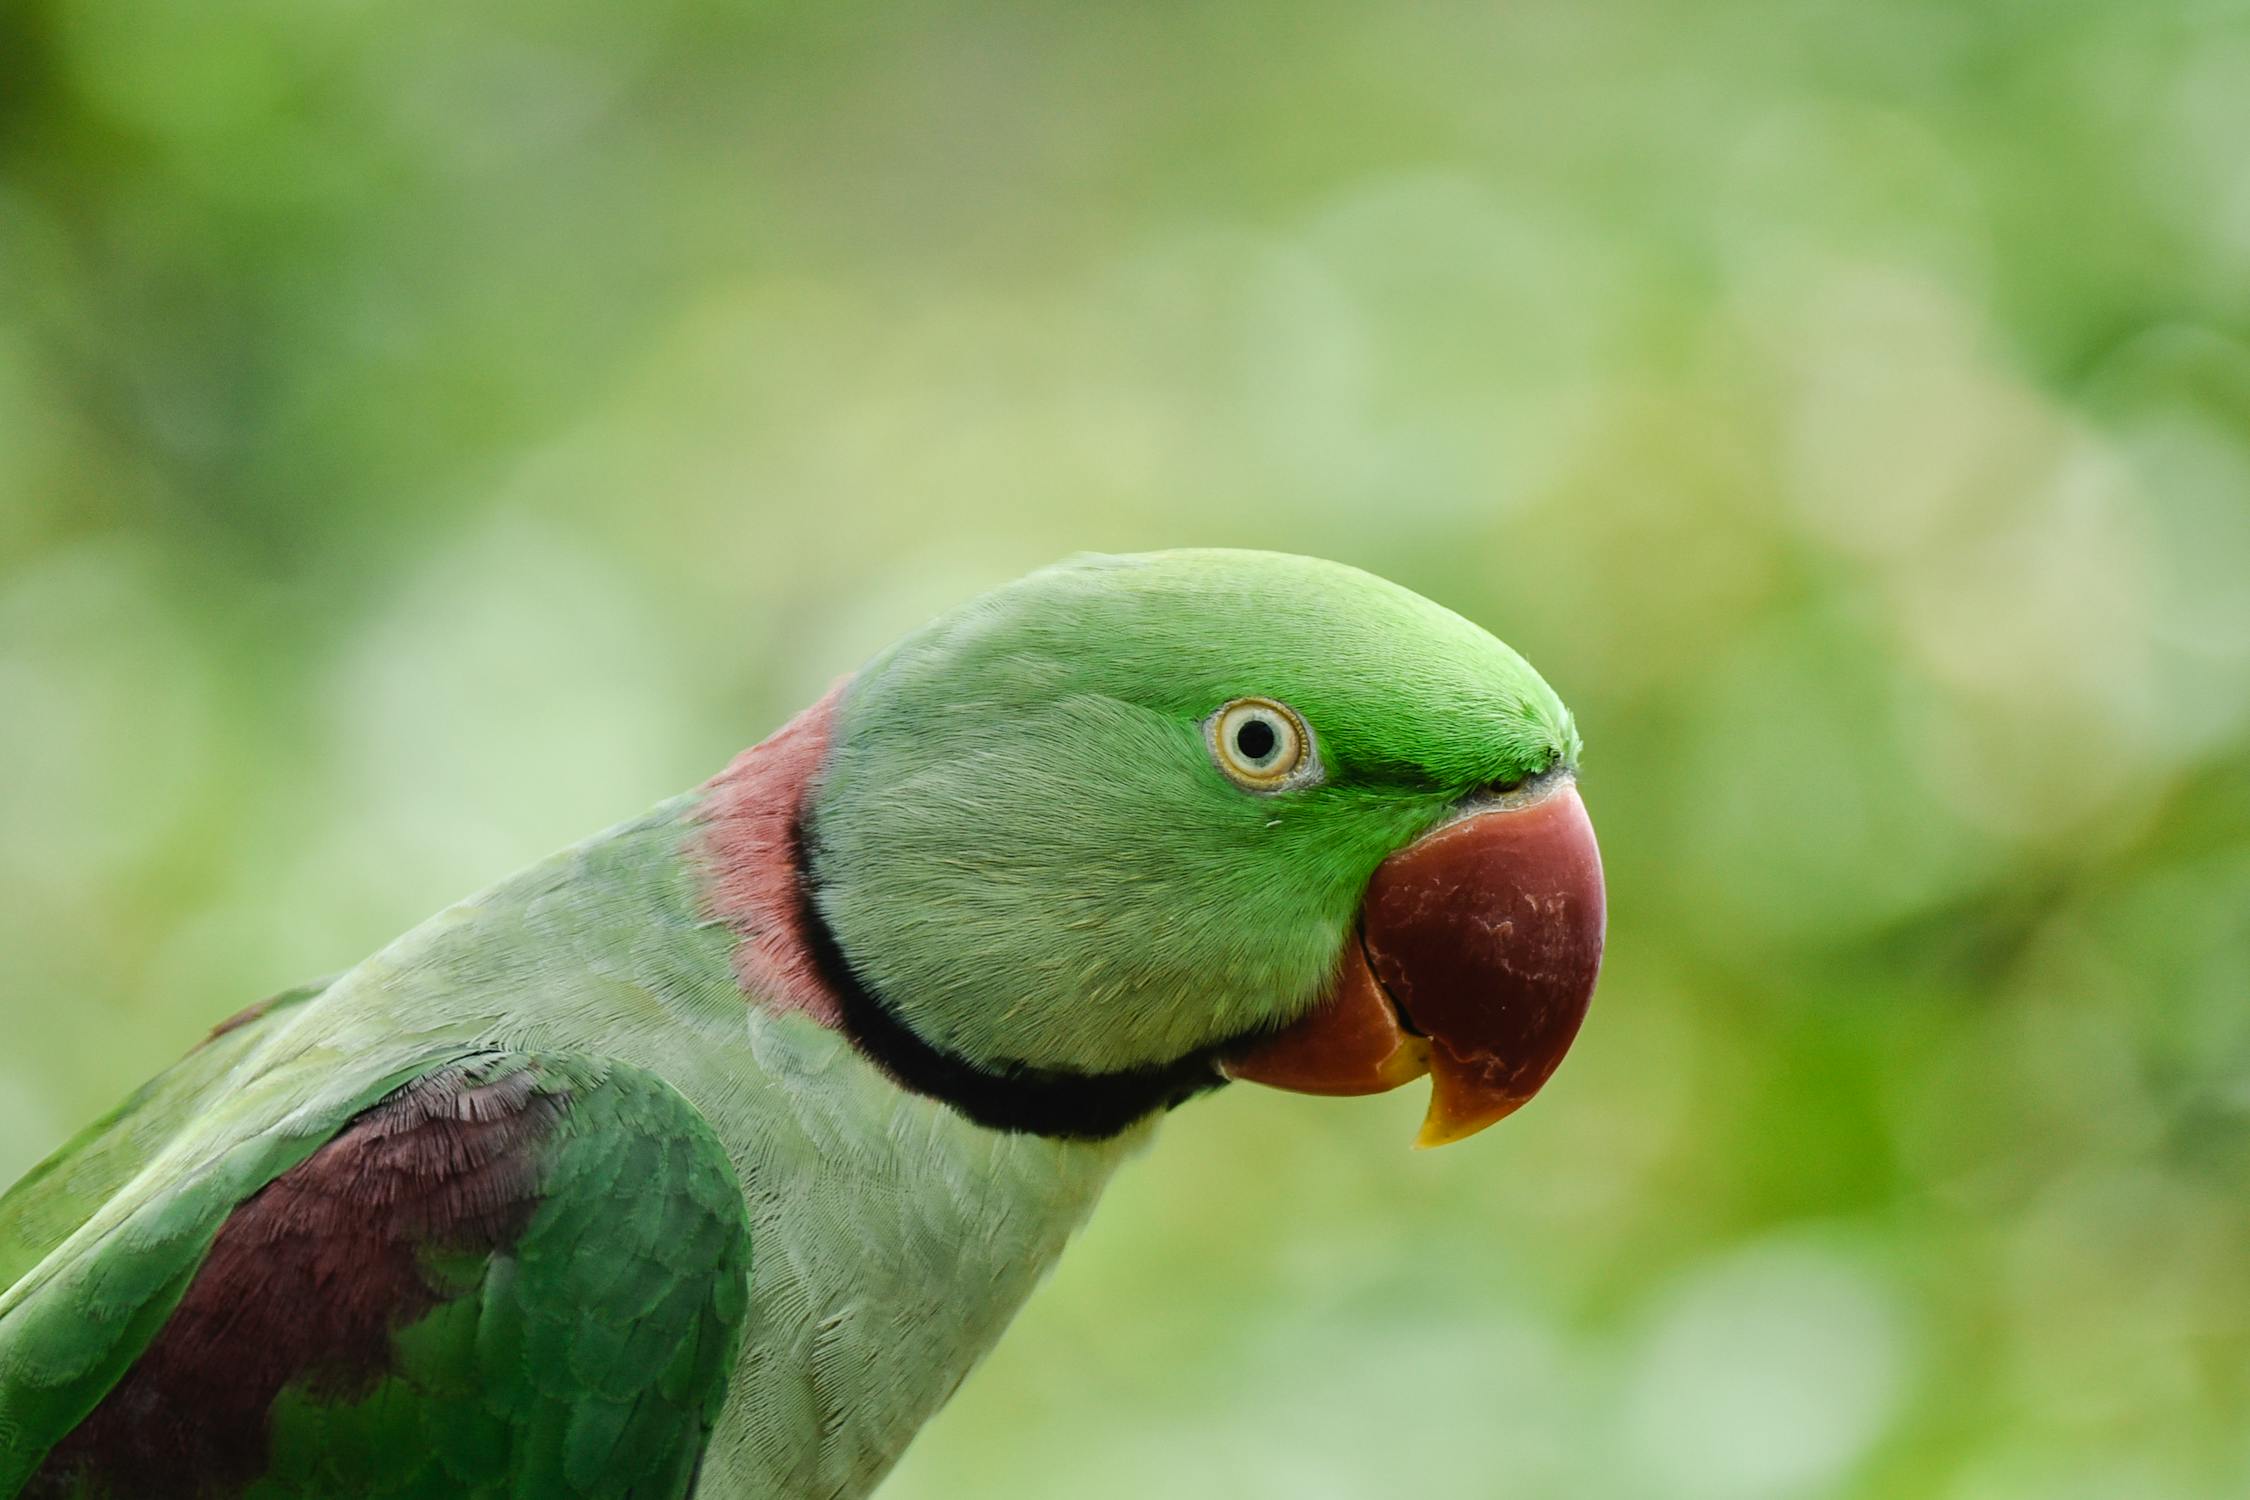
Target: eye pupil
1262	746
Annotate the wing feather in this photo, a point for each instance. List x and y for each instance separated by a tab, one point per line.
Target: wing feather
508	1275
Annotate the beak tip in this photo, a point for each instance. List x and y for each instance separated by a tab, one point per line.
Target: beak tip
1453	1117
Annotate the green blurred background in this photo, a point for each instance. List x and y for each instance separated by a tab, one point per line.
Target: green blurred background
430	434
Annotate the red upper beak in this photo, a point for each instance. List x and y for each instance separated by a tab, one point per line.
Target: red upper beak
1476	954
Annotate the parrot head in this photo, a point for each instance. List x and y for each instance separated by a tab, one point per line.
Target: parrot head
1130	826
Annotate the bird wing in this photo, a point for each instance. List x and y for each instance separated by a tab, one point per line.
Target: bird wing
62	1192
482	1274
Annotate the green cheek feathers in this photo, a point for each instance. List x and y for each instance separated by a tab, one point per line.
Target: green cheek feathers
1012	906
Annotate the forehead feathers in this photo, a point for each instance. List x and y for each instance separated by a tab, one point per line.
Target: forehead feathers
1395	687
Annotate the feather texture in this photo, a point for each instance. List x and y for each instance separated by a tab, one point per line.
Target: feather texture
701	1157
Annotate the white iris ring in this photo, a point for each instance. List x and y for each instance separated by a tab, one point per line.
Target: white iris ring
1262	745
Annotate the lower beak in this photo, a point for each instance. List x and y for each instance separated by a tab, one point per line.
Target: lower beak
1475	956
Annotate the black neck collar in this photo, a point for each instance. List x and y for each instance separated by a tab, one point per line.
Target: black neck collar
1015	1096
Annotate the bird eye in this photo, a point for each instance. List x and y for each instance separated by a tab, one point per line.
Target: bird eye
1262	745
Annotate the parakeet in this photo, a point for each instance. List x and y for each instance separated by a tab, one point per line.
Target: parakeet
708	1156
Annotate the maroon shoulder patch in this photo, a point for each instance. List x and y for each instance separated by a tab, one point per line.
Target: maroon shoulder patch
308	1279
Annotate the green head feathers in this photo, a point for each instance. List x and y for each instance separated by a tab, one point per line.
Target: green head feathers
1025	839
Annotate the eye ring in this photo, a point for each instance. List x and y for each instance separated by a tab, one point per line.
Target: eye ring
1262	745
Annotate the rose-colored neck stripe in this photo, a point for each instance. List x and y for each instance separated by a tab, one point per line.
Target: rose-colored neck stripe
748	851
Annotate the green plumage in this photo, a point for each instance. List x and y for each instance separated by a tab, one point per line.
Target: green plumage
56	1196
900	1237
590	1360
746	1259
72	1327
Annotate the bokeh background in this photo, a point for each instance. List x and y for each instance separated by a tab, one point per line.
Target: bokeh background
430	434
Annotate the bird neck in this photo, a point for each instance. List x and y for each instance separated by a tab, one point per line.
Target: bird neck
749	853
759	851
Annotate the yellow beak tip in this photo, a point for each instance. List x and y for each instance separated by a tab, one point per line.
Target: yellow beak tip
1442	1127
